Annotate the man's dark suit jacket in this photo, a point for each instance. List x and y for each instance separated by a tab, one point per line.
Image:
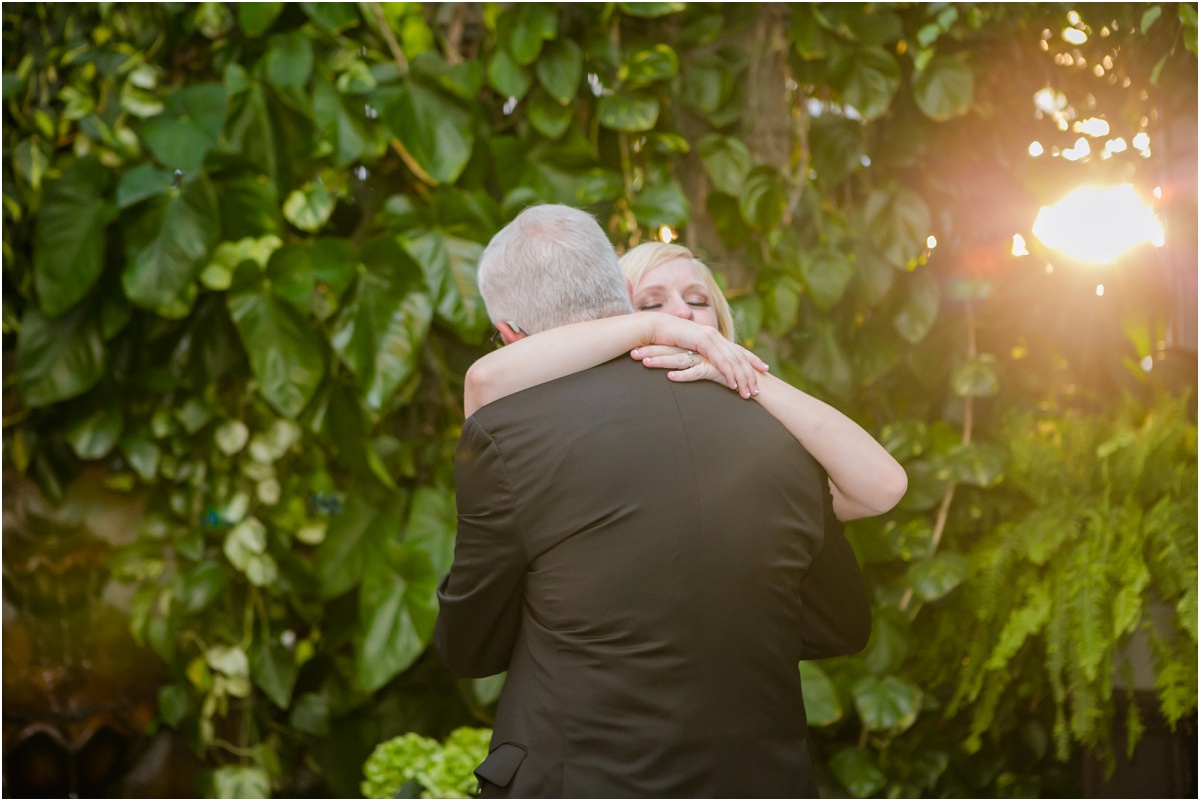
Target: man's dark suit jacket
649	561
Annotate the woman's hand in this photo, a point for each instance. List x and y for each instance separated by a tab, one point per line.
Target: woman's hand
695	352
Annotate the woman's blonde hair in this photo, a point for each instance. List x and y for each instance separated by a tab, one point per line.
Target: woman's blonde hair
645	257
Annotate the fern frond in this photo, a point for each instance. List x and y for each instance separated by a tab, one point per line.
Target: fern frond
1025	622
1134	729
1185	611
1089	632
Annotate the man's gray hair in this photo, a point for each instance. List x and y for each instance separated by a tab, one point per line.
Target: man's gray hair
551	266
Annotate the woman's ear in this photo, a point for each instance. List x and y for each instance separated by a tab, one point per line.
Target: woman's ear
629	289
509	334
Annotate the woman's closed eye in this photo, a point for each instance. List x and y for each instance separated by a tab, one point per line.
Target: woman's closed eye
699	304
650	306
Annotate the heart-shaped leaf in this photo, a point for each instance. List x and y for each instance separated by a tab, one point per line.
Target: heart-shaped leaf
727	161
286	354
821	704
890	704
68	240
945	88
58	359
168	244
627	111
449	265
866	78
559	69
434	135
936	576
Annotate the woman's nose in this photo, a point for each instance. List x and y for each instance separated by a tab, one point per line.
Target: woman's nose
677	308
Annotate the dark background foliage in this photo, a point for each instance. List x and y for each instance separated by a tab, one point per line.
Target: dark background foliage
239	299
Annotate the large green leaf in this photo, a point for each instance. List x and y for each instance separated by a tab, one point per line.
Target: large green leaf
649	64
309	207
781	305
289	60
68	240
523	28
433	133
337	124
379	333
286	354
936	576
168	244
763	198
945	88
873	274
707	84
837	146
628	111
890	643
431	527
508	77
449	265
239	781
865	23
650	10
866	79
727	161
662	204
977	464
827	272
976	378
462	80
332	17
825	361
58	359
355	539
547	116
821	703
397	608
599	185
181	136
560	68
257	18
808	36
856	772
202	586
890	704
897	223
273	668
919	312
143	182
95	435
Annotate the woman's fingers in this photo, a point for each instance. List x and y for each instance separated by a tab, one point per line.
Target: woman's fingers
729	363
654	351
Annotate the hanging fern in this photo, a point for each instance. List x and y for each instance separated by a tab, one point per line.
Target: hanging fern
1110	536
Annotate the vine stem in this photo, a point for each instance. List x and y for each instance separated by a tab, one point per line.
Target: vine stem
939	526
245	753
390	38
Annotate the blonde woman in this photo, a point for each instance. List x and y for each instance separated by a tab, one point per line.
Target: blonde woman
864	479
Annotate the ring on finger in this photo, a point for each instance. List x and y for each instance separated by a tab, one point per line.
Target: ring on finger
691	359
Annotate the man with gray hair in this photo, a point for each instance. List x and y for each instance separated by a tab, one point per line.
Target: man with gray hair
634	551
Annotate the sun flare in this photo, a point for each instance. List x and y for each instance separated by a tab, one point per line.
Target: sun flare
1098	225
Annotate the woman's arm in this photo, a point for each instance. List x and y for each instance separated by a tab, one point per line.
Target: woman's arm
863	477
552	354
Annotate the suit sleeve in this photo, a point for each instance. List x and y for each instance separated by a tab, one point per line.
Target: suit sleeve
480	599
837	606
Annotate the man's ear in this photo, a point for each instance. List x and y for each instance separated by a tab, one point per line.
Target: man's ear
508	334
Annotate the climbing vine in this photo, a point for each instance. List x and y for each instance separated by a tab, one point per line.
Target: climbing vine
239	253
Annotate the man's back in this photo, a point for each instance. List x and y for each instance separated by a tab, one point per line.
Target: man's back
631	551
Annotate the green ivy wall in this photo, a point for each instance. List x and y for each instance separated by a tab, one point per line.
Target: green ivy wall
239	253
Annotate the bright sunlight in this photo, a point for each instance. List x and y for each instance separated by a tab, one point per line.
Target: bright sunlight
1097	225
